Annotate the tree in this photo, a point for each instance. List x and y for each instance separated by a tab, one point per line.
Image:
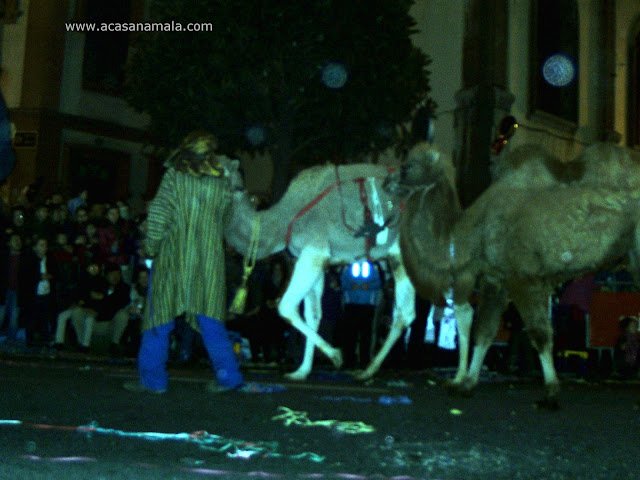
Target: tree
311	80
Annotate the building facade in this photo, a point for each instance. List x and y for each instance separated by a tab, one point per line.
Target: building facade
488	62
567	70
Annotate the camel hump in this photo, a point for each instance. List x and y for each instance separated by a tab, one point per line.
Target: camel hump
601	164
536	159
611	165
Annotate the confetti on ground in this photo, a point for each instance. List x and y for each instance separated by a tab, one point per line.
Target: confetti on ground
383	399
398	383
398	400
255	387
331	376
232	448
346	398
59	459
302	419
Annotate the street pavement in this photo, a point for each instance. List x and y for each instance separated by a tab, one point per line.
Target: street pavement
67	417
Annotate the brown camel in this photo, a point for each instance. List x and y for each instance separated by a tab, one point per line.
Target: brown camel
541	223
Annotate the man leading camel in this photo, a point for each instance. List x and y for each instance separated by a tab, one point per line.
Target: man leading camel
184	237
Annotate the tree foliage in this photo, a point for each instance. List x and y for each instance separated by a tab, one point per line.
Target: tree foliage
269	75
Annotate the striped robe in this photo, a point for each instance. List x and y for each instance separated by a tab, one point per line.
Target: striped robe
185	239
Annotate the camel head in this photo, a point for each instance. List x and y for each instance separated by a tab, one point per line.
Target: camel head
430	214
423	166
231	171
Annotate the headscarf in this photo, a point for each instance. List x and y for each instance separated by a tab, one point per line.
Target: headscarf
196	155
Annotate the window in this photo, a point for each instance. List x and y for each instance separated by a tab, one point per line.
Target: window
105	53
104	172
554	59
634	90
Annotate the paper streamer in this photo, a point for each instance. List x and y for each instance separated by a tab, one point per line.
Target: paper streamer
232	448
383	399
255	387
292	417
59	459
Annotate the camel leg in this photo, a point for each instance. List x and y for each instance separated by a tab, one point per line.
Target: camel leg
312	317
532	303
464	320
404	312
493	301
307	282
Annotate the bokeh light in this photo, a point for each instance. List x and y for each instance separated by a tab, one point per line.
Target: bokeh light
334	75
559	70
256	135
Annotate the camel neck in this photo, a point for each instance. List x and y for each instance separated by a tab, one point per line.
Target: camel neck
273	226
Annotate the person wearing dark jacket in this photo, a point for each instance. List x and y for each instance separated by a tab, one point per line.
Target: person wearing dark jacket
92	288
35	293
112	313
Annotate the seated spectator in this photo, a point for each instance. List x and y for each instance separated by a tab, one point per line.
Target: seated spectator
111	312
67	268
627	348
35	292
91	291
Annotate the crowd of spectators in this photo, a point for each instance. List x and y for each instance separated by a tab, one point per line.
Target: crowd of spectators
73	271
71	261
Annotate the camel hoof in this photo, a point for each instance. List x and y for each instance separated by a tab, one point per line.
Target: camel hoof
362	375
296	376
458	389
548	403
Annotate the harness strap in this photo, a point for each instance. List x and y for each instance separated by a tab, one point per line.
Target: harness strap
308	207
338	183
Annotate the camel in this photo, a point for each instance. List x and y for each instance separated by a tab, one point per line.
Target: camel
323	219
541	223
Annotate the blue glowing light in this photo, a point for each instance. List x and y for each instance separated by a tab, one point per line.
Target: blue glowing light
360	269
355	270
559	70
256	135
334	75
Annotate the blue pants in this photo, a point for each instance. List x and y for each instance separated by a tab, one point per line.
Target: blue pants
154	353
